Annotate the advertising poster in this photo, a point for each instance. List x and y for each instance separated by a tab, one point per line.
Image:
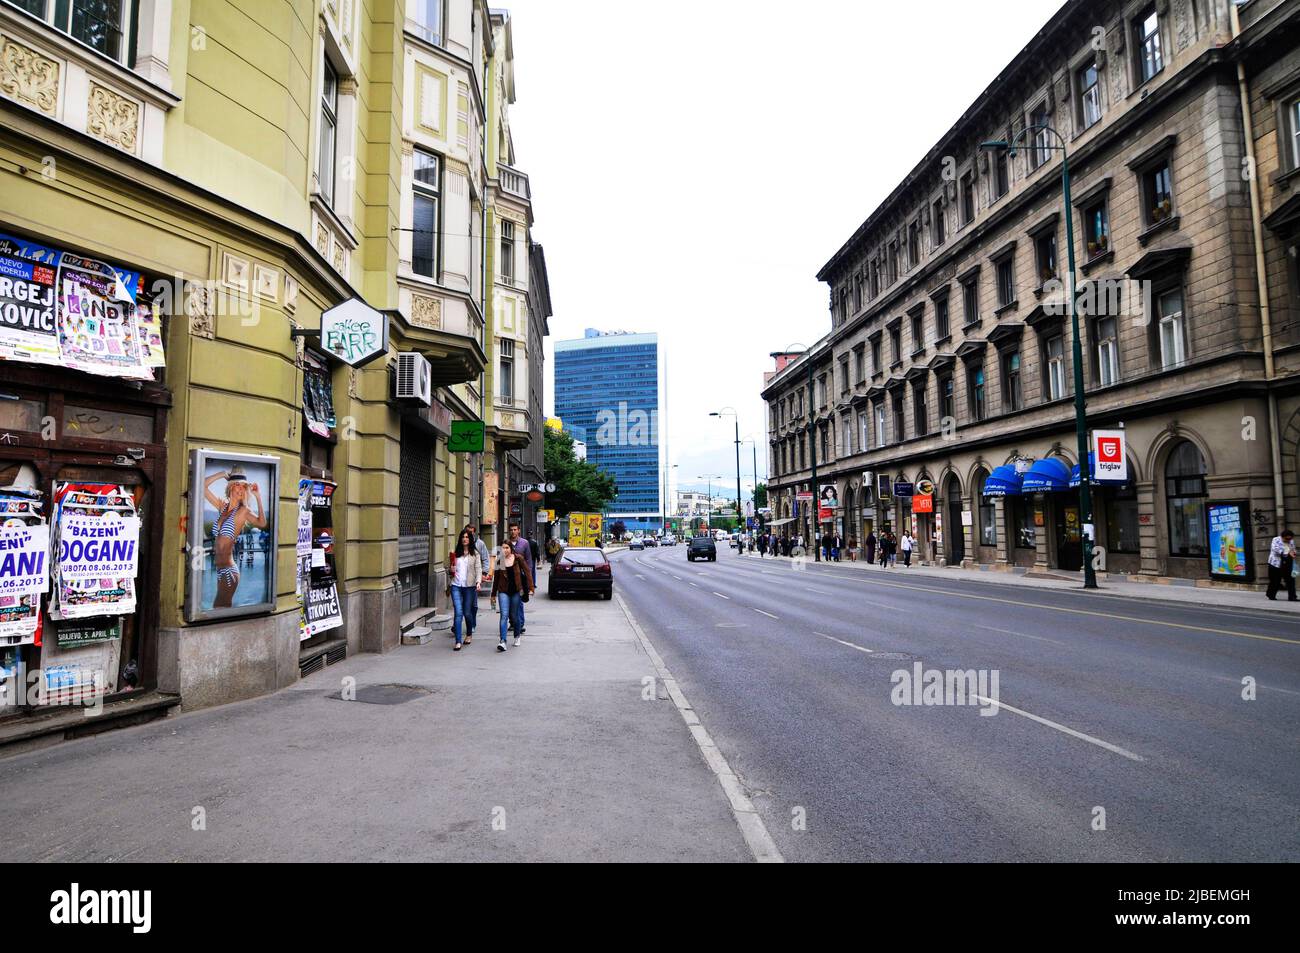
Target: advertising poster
24	577
28	326
577	529
97	332
593	529
1230	556
318	582
232	534
830	496
96	551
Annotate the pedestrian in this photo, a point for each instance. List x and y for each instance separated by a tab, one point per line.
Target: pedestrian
1282	565
853	549
524	552
536	552
871	547
464	572
907	545
510	583
485	561
893	548
762	546
553	550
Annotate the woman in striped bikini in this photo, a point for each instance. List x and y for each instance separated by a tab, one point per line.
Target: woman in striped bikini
233	515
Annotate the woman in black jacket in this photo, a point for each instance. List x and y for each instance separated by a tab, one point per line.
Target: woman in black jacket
509	583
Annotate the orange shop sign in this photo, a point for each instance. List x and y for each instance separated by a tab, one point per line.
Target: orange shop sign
923	504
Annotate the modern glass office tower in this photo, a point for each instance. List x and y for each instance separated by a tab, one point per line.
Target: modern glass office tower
607	383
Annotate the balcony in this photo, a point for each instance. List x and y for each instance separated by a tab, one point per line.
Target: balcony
514	182
511	422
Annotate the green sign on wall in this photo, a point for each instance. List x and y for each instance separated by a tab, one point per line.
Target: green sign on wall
467	436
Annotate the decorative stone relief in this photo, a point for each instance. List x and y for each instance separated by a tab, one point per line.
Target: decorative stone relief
112	117
290	293
266	282
322	239
198	307
299	348
340	258
508	421
1184	23
354	379
426	312
235	272
29	77
1118	81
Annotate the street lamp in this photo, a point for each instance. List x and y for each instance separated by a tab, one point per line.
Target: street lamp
1080	409
758	522
663	507
812	442
731	412
709	512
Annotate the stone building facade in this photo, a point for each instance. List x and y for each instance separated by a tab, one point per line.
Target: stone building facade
949	359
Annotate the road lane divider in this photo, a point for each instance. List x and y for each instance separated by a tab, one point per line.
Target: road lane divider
751	825
842	642
1123	752
721	596
768	614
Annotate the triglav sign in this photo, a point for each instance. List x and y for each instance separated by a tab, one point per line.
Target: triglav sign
1111	462
354	332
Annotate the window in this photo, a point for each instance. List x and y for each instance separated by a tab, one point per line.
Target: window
1185	490
970	301
424	235
102	25
857	293
914	245
918	332
424	18
864	436
875	279
1122	519
1150	60
1045	254
821	392
1023	530
826	444
1014	394
860	365
1055	350
1157	194
1041	149
896	343
947	401
920	408
876	364
1173	336
847	446
329	113
1006	271
938	227
506	265
844	376
1088	80
1293	120
891	274
1096	228
880	423
899	422
988	516
1107	352
506	350
967	198
941	317
1001	175
978	403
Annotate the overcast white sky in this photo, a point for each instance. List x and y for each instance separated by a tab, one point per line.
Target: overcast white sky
695	162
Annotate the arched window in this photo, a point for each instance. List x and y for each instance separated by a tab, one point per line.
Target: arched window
1185	493
988	514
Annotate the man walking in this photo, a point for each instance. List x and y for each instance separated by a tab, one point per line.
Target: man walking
525	552
762	546
907	549
1281	565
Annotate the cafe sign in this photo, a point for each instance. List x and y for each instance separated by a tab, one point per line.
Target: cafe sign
354	332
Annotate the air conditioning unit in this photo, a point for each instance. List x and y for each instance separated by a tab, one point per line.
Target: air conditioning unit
414	380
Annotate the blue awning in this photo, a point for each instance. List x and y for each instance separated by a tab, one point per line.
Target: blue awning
1003	481
1046	476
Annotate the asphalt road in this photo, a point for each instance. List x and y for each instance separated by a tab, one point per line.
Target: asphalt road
1107	704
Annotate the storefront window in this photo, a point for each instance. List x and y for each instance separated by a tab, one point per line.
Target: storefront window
1022	523
1185	490
988	516
1122	520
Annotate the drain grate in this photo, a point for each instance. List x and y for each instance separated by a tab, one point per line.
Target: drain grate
311	666
385	694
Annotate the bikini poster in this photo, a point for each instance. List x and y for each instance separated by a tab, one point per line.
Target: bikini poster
232	534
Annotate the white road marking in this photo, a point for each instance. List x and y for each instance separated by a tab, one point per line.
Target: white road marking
675	576
747	818
842	642
1123	752
820	592
721	596
1023	634
638	575
1267	688
768	614
696	585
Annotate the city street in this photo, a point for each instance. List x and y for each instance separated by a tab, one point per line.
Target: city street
1133	706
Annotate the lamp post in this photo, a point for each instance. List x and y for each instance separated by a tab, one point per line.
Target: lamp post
758	522
1080	408
663	507
708	513
731	412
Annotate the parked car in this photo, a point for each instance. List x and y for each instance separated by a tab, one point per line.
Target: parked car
650	541
637	543
581	569
668	540
702	547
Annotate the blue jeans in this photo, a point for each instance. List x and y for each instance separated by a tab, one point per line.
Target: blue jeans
464	602
512	612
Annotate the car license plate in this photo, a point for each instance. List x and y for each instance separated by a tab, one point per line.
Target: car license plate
582	569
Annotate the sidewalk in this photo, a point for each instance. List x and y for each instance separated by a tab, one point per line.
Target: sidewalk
546	752
1179	591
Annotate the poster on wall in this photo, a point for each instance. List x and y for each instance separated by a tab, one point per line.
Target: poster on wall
97	329
24	578
232	534
95	550
28	307
1231	559
318	593
829	496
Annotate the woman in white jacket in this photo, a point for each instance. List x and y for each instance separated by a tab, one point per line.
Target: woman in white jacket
464	572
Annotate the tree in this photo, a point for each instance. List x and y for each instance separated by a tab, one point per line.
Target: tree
617	529
760	497
580	487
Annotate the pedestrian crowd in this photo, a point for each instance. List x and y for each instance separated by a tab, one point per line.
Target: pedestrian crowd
512	573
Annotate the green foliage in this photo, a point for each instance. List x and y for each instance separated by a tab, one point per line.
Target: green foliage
760	496
580	487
